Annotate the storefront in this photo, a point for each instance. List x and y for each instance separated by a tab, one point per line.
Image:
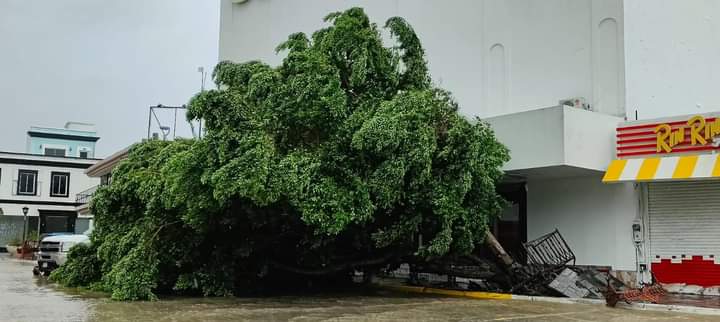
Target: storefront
675	164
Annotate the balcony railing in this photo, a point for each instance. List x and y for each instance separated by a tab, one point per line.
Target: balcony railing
86	195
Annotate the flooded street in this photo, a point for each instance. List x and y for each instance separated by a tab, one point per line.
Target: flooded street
26	298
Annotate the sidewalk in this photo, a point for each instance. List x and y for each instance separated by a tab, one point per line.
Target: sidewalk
707	305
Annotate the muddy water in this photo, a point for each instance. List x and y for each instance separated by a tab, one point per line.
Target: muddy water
26	298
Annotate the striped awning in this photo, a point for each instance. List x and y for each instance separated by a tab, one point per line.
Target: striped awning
667	168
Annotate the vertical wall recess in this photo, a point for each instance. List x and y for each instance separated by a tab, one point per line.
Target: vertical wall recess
497	84
608	69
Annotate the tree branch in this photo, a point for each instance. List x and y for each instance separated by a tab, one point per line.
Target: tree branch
331	269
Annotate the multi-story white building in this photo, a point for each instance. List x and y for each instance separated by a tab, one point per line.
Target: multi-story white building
48	187
511	62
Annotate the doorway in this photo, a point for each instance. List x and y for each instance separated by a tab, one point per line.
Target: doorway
510	228
54	221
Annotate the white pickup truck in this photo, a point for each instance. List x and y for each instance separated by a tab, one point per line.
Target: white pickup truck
53	251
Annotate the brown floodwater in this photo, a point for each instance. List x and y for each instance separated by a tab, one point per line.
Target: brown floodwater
24	297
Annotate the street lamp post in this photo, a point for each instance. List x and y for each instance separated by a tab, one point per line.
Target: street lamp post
25	211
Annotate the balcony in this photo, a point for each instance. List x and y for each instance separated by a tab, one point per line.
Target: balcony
86	195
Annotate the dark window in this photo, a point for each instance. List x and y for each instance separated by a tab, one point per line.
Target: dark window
55	152
83	154
27	182
106	179
59	184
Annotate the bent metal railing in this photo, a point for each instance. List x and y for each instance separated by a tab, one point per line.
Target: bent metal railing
550	249
86	195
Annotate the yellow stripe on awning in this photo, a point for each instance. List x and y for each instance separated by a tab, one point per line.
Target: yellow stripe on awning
668	168
614	170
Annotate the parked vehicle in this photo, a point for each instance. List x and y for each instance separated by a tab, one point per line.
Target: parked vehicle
53	251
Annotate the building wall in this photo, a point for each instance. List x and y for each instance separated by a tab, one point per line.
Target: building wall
10	229
82	225
8	188
496	56
671	55
594	218
72	148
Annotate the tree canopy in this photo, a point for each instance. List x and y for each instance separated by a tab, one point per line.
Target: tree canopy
343	157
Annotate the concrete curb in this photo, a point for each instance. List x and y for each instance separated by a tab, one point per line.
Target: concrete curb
454	293
671	308
562	300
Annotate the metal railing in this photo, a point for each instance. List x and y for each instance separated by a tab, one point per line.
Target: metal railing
550	249
86	195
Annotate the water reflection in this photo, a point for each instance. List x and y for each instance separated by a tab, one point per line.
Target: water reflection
26	298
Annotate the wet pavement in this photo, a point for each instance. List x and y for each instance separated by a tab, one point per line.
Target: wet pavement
27	298
707	301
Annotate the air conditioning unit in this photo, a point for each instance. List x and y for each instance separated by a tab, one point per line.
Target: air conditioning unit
577	102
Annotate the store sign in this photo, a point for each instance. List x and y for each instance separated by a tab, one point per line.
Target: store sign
699	131
695	135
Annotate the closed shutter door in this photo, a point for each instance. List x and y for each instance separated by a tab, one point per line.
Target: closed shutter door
684	231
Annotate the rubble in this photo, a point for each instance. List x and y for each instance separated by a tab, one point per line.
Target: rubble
546	267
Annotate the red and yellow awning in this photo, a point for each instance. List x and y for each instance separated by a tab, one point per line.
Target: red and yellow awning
666	168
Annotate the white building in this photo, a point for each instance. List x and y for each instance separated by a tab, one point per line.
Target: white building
511	62
48	186
101	170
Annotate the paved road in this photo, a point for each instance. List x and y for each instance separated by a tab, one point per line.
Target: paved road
26	298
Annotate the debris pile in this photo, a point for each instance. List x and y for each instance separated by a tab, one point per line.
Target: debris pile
545	266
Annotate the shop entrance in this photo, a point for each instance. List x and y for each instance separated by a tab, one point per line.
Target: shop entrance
684	225
510	228
53	221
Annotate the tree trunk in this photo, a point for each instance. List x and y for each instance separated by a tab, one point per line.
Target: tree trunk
498	250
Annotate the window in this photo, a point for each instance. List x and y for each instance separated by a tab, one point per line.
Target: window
55	152
84	154
59	184
27	182
106	179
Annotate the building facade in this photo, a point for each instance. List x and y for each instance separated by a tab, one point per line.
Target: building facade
674	163
47	186
101	170
555	79
73	140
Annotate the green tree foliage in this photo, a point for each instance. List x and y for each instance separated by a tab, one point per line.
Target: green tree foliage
343	157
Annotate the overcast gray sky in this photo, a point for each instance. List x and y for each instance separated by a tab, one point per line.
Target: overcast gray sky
101	62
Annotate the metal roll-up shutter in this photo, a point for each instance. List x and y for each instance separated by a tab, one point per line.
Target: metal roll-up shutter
684	220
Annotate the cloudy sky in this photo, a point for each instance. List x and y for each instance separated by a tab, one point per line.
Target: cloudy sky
101	62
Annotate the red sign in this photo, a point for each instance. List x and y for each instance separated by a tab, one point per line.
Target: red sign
692	135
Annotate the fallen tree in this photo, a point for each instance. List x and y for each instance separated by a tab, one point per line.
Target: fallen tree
345	157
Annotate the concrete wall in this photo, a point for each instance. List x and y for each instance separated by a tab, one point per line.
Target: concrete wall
72	148
534	138
496	56
11	227
671	55
8	186
594	218
556	136
589	138
82	225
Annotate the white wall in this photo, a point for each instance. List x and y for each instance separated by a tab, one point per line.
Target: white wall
496	56
556	136
672	53
594	218
8	176
589	138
